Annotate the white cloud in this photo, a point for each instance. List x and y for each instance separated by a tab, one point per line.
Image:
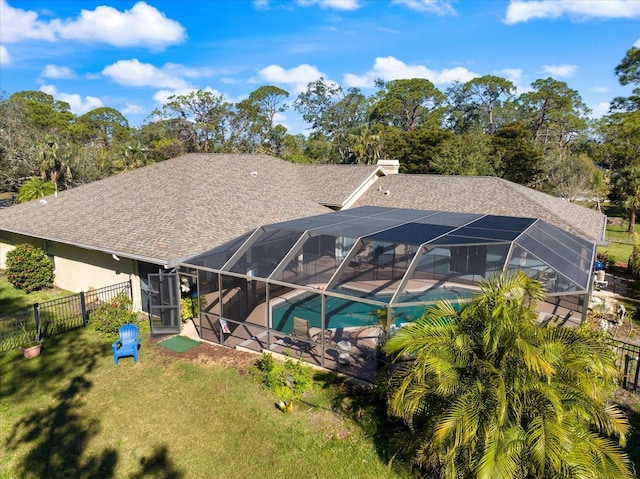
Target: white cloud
561	71
132	109
390	68
600	109
142	25
54	71
637	43
17	25
331	4
577	10
296	78
78	105
5	58
437	7
136	74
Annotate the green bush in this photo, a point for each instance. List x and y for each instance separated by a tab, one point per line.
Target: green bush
633	266
110	316
189	307
288	380
29	268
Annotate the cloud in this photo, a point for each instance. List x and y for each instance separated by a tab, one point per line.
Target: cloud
437	7
296	78
561	71
523	11
600	109
5	58
142	25
132	109
162	96
637	43
17	25
78	105
54	71
331	4
136	74
390	68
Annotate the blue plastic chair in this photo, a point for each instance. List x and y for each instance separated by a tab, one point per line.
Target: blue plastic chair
128	343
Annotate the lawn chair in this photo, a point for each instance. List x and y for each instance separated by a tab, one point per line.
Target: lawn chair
128	343
305	336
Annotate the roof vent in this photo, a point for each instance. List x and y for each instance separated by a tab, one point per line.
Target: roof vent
387	192
254	173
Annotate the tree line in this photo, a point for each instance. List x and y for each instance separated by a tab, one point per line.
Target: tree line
542	138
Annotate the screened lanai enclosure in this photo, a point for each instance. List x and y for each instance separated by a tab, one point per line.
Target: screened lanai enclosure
329	288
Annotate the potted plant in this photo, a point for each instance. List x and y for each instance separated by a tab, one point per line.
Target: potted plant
33	345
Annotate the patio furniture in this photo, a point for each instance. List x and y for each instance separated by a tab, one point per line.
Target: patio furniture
344	357
306	336
128	343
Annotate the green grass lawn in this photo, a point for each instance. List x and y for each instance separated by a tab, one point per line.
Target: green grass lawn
12	299
72	413
620	242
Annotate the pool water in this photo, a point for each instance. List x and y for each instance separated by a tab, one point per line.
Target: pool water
343	313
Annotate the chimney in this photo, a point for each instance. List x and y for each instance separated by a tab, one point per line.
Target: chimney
390	167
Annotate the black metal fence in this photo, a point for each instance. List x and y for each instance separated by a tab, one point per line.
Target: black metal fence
54	317
628	362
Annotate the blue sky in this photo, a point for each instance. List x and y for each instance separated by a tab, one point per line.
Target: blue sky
132	55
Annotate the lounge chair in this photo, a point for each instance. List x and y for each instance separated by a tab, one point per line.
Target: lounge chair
306	336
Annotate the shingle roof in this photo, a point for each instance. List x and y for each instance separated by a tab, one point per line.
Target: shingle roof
488	195
188	205
170	209
333	185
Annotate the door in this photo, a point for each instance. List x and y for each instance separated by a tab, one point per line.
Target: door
164	303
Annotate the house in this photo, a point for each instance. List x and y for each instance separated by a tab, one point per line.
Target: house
151	220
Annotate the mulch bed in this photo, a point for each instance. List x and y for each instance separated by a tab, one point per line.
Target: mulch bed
208	354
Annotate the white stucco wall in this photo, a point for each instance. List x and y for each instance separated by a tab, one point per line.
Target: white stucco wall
79	269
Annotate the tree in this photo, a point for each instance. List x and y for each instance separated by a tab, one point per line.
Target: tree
103	125
625	192
516	157
487	393
33	189
478	102
201	118
628	71
332	113
408	104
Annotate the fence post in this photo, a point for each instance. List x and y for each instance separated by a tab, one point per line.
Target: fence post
83	309
36	315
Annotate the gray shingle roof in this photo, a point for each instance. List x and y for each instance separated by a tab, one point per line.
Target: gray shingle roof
187	205
487	195
170	209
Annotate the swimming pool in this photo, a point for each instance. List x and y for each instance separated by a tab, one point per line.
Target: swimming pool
344	313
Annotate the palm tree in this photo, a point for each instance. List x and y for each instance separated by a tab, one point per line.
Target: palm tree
33	189
625	191
486	393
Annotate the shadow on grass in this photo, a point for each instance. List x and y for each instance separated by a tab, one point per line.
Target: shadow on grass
55	437
633	442
365	405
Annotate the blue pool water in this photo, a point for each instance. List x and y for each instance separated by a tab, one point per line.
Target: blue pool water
342	313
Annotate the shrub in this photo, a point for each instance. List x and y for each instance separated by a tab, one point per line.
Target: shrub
110	316
29	268
633	266
288	380
189	307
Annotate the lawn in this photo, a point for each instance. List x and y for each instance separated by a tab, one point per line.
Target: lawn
12	299
620	242
72	413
